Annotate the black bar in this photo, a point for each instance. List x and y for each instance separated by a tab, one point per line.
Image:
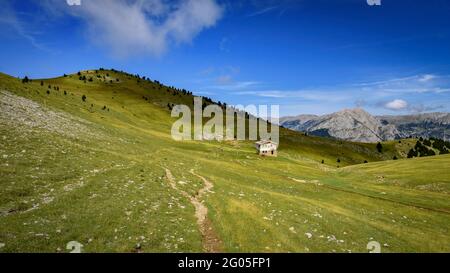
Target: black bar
224	262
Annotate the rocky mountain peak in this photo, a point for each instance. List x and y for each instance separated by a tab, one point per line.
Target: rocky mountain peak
358	125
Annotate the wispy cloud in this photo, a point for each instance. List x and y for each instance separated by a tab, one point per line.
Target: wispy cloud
9	18
207	71
427	78
420	108
223	78
228	84
313	95
262	11
424	83
415	93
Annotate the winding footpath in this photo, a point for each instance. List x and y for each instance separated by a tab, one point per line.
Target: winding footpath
211	243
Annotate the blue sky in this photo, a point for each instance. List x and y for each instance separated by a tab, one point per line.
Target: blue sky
308	56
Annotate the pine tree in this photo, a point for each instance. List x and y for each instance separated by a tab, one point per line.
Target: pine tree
412	153
379	147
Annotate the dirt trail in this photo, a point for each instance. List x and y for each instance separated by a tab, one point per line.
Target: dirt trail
211	243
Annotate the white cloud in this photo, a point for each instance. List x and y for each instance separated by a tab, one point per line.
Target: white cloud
130	27
396	105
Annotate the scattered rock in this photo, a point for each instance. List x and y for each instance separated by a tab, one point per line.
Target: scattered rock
26	114
317	215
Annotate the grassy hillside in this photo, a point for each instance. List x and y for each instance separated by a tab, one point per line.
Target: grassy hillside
106	173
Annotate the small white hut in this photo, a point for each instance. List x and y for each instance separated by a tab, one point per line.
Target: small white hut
266	148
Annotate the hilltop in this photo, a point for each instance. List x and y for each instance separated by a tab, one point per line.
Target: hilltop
88	157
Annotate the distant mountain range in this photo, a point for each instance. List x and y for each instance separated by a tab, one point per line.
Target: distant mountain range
360	126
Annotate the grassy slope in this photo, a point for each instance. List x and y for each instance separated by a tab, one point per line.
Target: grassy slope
107	189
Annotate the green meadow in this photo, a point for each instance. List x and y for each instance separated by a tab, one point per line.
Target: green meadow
94	171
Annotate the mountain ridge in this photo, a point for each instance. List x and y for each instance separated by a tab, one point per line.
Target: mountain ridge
360	126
